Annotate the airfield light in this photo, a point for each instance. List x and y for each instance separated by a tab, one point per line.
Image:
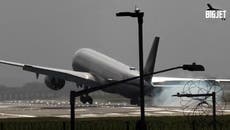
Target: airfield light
141	124
193	67
137	13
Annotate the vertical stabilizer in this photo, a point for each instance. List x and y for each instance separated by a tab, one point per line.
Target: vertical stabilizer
150	63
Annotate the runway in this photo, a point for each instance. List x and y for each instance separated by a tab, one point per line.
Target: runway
28	109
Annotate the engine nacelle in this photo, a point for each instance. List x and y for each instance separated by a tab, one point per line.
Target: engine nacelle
54	83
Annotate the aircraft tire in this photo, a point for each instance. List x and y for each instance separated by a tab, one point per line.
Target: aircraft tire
89	100
83	99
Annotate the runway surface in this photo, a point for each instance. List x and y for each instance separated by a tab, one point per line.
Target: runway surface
21	109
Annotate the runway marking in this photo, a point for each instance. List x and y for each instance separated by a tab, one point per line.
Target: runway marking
134	113
164	112
4	106
16	115
88	115
113	114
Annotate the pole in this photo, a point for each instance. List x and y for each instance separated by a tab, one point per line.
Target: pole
63	126
214	109
72	111
141	125
142	99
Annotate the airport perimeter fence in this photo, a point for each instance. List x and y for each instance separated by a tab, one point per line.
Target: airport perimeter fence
111	124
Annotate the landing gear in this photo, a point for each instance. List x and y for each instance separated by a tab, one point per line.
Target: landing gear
135	101
86	99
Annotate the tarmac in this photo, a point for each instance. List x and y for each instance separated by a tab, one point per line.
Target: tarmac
43	108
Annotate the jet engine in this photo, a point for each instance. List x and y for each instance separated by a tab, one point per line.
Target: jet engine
54	83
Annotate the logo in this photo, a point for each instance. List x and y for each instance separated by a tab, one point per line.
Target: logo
213	13
219	14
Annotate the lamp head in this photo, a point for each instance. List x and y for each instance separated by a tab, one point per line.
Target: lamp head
193	67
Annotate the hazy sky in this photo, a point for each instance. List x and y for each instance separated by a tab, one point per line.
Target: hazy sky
48	32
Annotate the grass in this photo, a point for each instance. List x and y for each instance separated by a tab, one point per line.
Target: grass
118	123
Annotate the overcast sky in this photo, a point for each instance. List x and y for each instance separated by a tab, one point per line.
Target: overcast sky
48	32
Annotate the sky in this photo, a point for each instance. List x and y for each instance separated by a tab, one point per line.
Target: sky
48	32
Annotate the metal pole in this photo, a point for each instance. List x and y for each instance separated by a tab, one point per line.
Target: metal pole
1	125
214	109
139	15
142	99
63	126
72	111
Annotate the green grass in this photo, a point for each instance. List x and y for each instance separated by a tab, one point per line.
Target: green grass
122	123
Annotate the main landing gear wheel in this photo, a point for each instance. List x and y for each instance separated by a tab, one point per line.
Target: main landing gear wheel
86	99
135	101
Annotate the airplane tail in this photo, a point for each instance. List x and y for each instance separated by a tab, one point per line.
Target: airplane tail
150	63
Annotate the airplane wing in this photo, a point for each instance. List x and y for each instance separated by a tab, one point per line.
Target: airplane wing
68	75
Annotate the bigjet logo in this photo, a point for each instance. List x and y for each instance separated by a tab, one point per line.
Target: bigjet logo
213	13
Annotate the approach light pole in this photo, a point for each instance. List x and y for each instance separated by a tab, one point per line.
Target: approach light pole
141	124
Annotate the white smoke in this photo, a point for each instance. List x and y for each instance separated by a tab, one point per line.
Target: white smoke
163	92
164	97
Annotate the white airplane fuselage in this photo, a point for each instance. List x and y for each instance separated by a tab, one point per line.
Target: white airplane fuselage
107	70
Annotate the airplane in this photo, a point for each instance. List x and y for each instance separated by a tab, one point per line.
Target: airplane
92	68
